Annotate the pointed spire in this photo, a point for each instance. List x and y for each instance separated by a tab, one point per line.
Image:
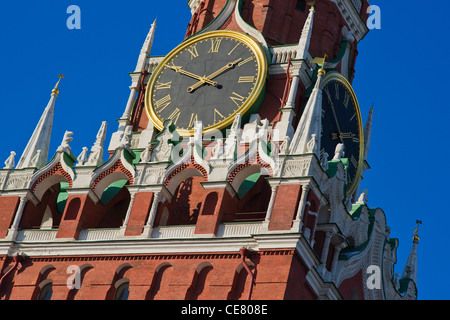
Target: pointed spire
368	133
410	270
40	139
96	154
55	89
284	127
310	123
303	43
234	135
146	48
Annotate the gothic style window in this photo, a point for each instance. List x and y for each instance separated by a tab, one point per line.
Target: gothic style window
160	281
115	200
301	5
210	203
238	287
46	292
122	292
46	214
199	281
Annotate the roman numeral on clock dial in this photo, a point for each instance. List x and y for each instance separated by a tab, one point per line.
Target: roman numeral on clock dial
246	79
165	85
217	114
215	45
237	98
193	51
175	115
162	103
194	119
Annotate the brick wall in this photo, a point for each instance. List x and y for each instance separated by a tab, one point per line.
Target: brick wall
8	207
177	273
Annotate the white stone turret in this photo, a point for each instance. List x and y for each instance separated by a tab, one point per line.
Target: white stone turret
303	43
136	77
140	66
96	154
146	48
284	128
307	135
39	143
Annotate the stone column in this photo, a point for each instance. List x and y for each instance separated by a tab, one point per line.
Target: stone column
127	217
301	209
12	232
323	258
148	228
337	250
270	206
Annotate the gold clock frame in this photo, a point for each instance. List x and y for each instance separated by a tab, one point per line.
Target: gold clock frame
256	93
336	76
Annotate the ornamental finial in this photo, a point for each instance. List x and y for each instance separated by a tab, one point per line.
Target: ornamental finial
320	62
55	90
416	231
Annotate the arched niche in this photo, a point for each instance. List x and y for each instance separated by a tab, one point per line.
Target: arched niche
45	214
160	281
199	281
187	200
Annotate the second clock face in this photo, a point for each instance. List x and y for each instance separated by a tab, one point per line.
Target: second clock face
341	123
209	79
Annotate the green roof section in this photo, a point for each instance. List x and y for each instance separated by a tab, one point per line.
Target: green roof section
404	283
112	190
356	210
61	199
247	184
332	166
347	253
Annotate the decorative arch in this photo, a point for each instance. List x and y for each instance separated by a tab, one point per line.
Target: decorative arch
253	161
83	269
122	289
118	280
44	180
245	170
181	172
43	282
240	285
124	267
210	204
111	175
199	281
44	214
159	280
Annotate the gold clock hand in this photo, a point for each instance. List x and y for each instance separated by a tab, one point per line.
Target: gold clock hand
343	135
337	123
192	75
213	75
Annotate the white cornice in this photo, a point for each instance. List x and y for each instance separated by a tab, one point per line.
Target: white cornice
153	246
357	26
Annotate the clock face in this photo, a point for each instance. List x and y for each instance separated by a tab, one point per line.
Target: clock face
341	123
209	78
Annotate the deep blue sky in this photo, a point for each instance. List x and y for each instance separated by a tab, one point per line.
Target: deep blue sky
401	69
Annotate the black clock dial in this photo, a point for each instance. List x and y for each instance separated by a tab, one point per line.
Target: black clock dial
341	123
210	80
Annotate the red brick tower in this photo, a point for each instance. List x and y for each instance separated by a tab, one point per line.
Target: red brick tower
257	202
